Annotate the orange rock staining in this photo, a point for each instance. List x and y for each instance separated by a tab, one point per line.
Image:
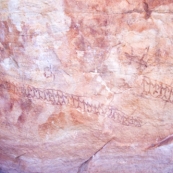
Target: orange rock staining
78	90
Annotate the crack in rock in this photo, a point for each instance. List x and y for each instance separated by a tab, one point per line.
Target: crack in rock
165	141
83	167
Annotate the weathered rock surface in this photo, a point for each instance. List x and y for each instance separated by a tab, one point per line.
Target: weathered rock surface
86	86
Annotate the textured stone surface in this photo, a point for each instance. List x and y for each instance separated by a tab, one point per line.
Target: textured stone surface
86	86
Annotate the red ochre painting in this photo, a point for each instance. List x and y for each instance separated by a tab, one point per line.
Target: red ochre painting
86	86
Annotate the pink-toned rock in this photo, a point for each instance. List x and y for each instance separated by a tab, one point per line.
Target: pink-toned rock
86	86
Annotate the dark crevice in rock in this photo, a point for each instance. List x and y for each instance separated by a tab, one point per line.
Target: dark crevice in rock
165	141
83	167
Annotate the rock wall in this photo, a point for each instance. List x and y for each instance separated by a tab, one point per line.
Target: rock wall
86	86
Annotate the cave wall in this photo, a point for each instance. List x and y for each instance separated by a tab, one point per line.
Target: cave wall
86	86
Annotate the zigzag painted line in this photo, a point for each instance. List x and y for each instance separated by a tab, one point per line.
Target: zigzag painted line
57	97
123	119
157	89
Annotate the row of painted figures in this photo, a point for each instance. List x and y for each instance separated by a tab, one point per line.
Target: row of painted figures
57	97
157	89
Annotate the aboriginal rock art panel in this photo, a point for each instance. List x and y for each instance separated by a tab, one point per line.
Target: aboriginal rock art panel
60	98
157	89
139	61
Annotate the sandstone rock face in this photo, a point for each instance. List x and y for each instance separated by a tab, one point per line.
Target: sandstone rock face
86	86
